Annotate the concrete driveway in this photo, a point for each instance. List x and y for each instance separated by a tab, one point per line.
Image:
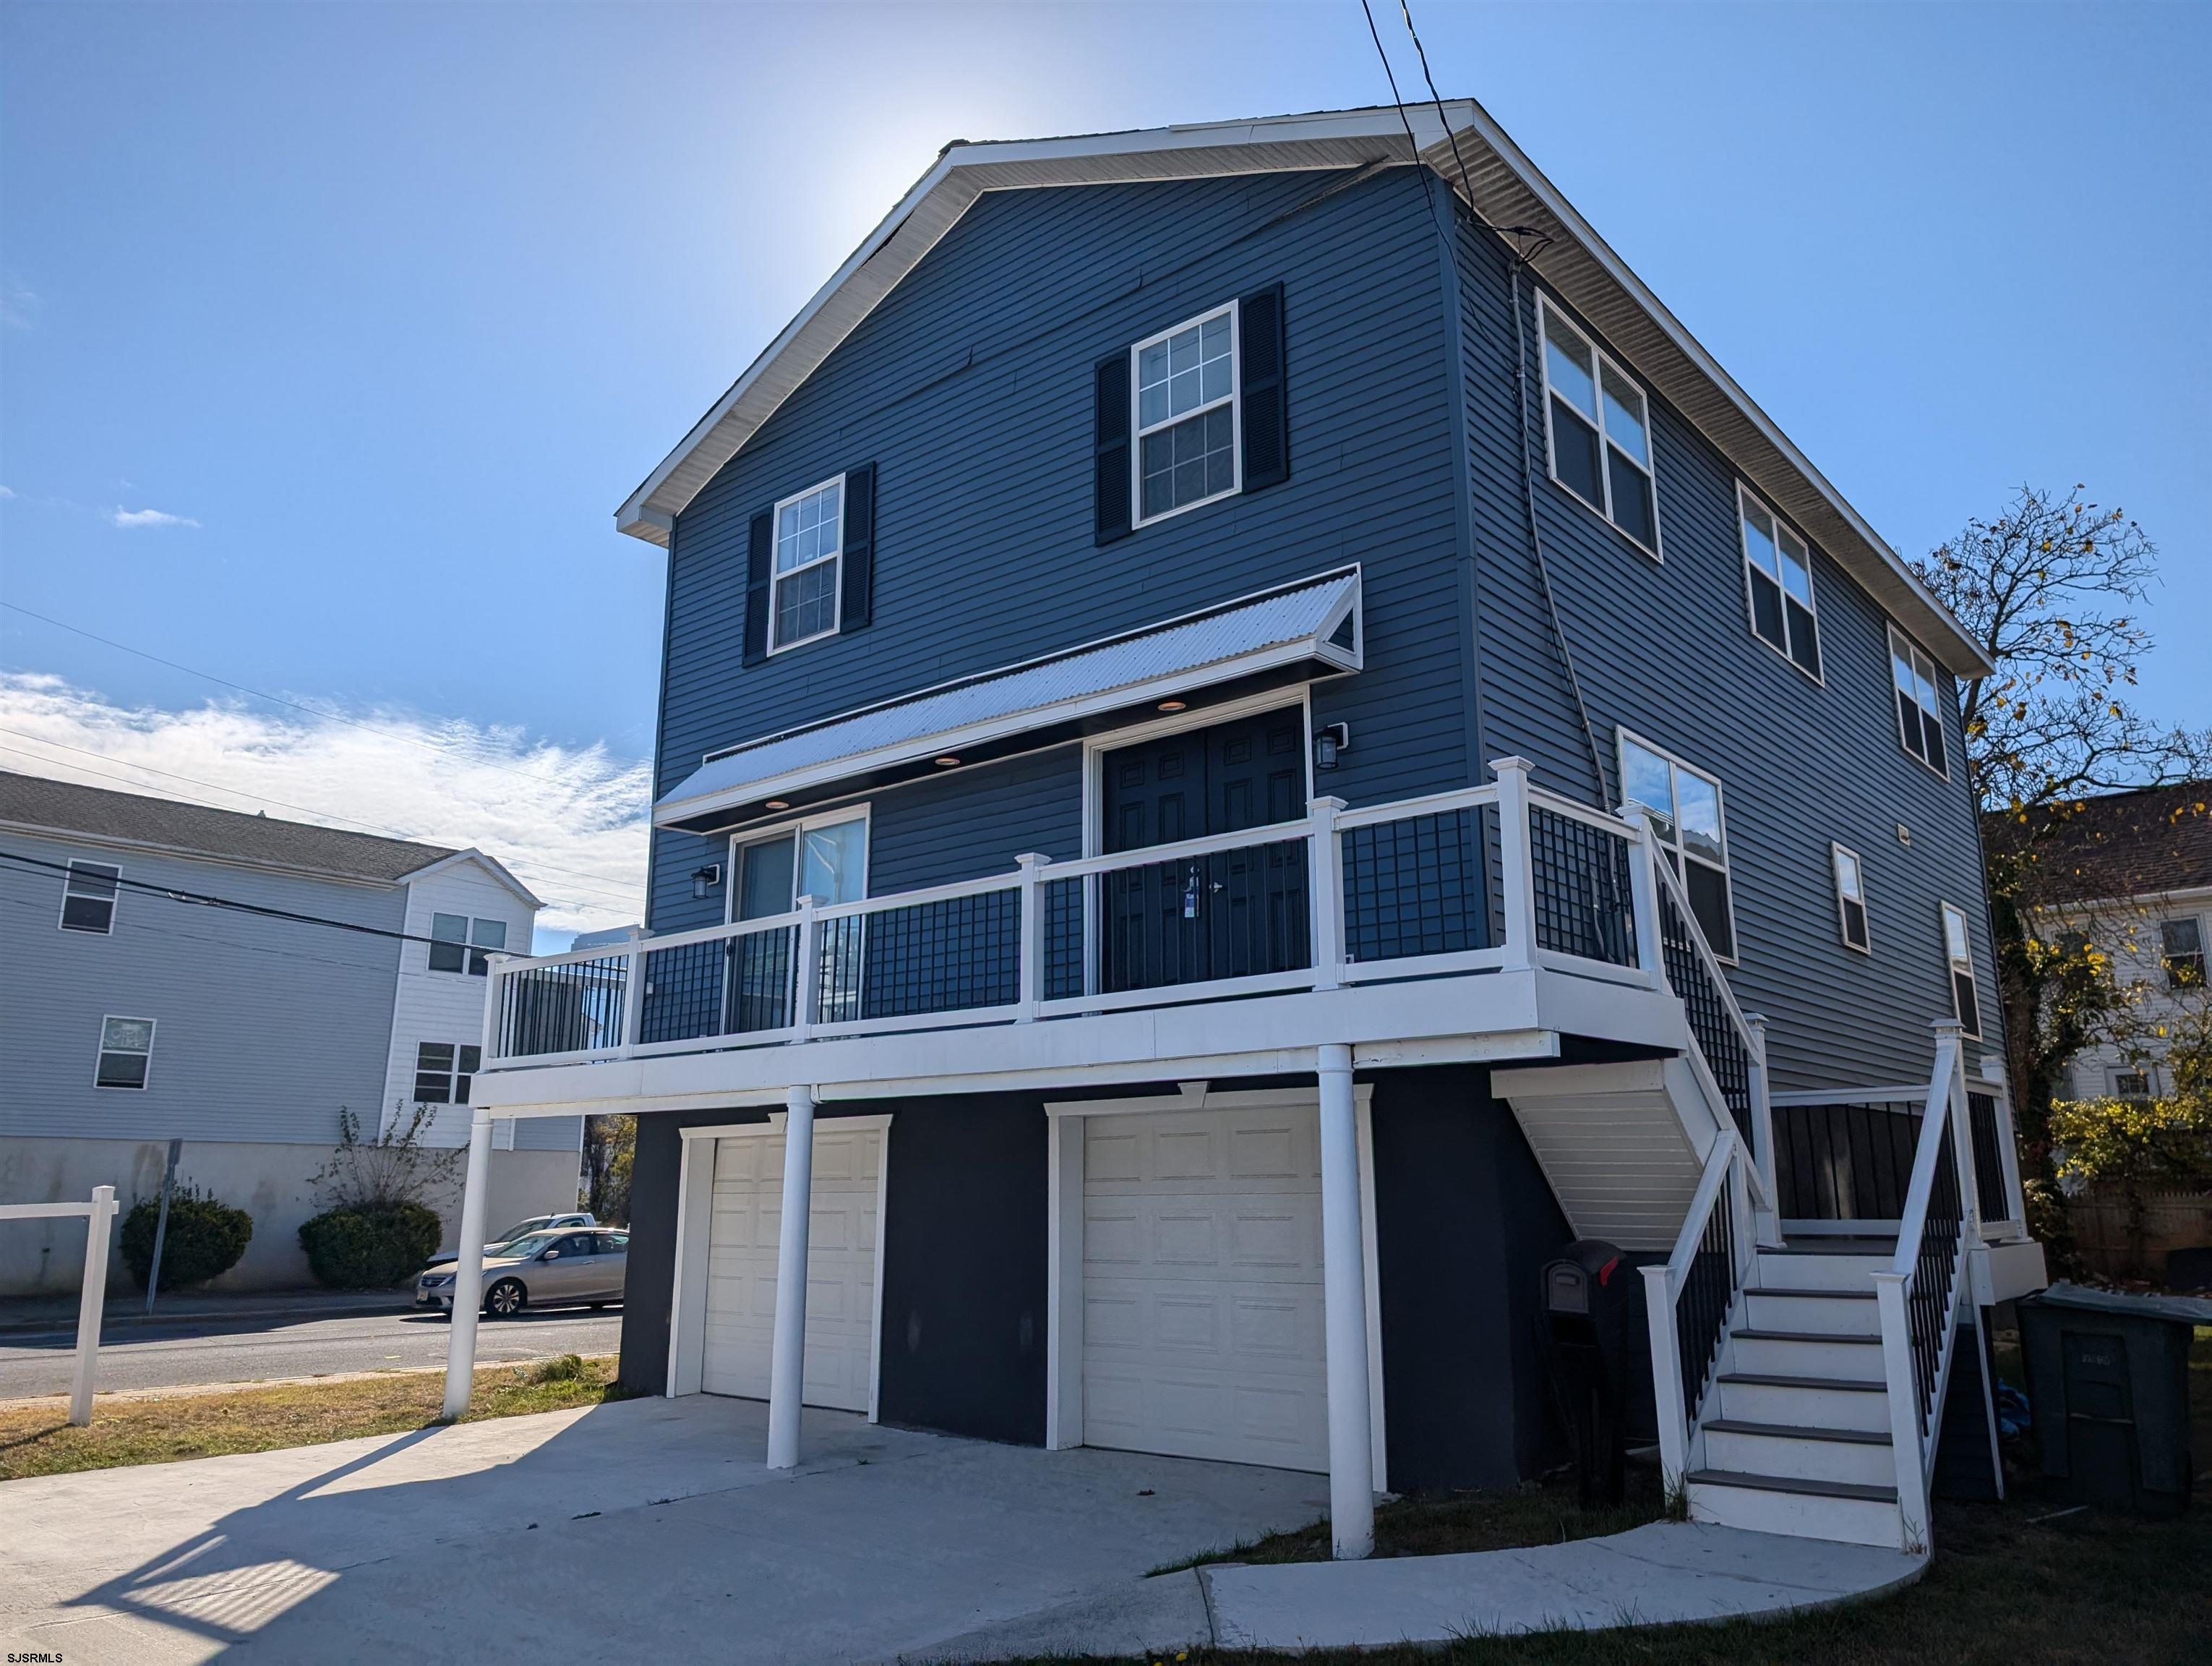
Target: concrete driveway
647	1528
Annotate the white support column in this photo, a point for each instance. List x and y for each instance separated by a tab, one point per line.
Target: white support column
91	1299
1030	966
1325	867
468	1272
786	1370
1518	870
1344	1295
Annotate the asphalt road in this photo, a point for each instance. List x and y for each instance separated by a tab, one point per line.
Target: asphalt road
239	1350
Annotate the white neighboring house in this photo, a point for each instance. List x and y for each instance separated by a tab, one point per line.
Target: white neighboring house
136	1016
2134	871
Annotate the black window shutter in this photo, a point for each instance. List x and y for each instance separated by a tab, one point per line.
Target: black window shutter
857	605
1110	450
756	587
1266	416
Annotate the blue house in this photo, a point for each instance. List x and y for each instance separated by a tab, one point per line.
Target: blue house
1255	738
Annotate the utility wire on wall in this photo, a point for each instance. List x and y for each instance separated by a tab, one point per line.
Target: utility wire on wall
1524	243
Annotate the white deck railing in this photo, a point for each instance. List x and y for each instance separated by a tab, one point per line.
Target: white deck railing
1492	878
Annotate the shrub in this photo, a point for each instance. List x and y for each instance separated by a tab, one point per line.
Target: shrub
206	1238
364	1247
568	1368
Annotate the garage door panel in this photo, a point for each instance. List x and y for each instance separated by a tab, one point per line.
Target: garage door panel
1203	1301
744	1226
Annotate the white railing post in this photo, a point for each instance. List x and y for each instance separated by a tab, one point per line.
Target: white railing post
1762	1131
806	975
1666	1378
1029	951
1516	866
91	1300
633	1021
1325	870
1644	896
1890	1293
2009	1153
494	993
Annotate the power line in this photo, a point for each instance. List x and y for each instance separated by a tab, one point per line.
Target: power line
274	699
204	899
596	884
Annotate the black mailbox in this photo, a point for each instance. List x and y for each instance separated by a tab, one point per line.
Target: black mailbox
1590	1323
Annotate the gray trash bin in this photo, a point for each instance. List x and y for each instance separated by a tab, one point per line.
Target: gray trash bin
2108	1383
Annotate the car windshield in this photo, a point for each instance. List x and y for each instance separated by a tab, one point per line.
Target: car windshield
523	1228
528	1244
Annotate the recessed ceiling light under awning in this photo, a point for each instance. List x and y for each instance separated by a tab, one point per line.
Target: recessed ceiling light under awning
1287	634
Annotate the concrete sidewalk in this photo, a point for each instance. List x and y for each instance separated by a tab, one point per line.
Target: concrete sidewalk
123	1312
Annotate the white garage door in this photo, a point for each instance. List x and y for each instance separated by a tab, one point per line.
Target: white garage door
841	1266
1202	1317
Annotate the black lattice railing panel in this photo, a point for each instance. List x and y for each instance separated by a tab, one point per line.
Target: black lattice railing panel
1846	1161
1583	905
1064	958
1701	1306
1416	886
1927	1310
955	954
571	1008
683	989
1991	1197
1692	978
763	975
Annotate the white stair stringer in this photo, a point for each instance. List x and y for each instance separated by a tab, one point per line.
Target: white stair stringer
1794	1434
1623	1146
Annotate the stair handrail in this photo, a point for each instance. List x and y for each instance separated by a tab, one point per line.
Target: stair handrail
1719	1221
1919	1293
1751	1036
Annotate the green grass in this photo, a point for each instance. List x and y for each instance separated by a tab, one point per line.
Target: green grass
2016	1583
37	1439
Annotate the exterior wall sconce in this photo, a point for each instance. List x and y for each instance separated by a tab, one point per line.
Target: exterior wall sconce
1330	740
704	879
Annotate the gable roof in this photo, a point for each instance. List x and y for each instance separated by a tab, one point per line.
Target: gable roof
2147	842
1502	185
40	803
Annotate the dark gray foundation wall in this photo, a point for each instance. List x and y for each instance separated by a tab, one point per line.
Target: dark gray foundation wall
1464	1220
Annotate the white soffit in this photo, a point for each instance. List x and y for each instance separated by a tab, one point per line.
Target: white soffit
1502	186
1277	628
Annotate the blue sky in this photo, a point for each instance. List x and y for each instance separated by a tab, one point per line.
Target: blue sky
389	308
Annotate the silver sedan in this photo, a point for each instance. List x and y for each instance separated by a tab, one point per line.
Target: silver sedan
541	1269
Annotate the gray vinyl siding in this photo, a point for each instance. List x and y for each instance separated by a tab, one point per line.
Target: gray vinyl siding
1666	650
970	388
263	1027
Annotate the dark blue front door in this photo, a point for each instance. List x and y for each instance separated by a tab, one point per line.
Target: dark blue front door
1230	914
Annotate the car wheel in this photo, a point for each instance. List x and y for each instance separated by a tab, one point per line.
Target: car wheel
505	1300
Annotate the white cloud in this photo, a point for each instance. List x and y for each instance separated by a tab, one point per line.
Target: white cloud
7	492
128	519
18	307
570	821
